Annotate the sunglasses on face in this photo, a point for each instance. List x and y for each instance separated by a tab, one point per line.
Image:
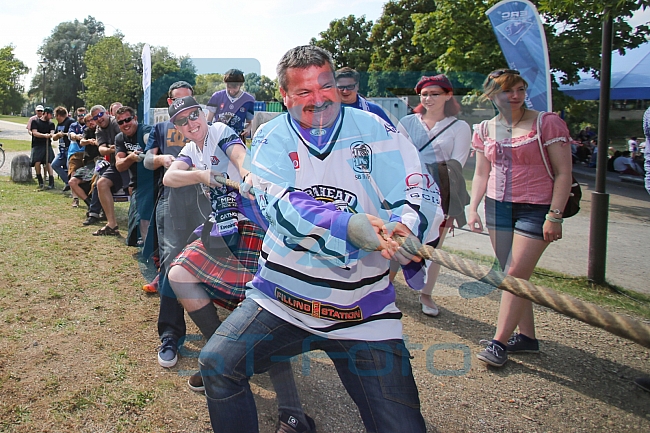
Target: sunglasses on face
99	115
123	121
349	87
81	114
182	121
498	73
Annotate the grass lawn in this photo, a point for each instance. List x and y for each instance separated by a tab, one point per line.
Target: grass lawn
16	119
15	145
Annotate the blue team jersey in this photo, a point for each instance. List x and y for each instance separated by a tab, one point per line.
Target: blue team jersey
309	274
365	105
75	147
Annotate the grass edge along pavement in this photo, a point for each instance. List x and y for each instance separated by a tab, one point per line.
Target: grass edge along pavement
15	119
15	145
608	296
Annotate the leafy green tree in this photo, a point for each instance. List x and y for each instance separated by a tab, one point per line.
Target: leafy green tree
11	69
459	36
64	51
114	73
166	69
576	29
348	40
396	62
260	86
206	85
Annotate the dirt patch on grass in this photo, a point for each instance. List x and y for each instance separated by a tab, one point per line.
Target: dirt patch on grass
79	350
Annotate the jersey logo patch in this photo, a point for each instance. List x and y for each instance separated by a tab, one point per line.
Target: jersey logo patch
362	157
318	309
214	160
294	159
345	201
389	128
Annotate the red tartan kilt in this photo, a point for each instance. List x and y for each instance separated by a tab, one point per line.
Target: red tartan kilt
225	277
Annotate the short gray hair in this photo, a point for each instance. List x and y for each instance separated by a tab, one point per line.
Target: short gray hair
97	107
302	57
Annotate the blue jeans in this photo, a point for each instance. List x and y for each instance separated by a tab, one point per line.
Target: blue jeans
376	374
60	166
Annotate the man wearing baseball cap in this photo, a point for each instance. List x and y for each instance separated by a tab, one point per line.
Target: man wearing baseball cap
39	112
232	106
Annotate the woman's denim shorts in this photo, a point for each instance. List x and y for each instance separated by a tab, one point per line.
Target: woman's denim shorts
521	218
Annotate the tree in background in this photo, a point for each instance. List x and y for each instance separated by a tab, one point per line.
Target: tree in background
206	85
348	40
459	36
11	91
260	86
576	33
112	73
65	51
166	69
396	62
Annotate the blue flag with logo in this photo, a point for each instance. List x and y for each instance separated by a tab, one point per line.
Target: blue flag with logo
521	36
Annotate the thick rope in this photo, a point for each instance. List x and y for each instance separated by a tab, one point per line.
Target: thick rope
569	306
591	314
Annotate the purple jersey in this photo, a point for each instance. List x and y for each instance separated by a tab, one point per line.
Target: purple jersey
232	112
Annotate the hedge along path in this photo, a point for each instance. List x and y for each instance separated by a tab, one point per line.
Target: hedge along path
589	313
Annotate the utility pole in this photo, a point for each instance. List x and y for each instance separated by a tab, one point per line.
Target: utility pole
43	64
599	199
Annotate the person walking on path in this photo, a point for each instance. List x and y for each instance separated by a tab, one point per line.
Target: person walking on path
523	207
439	136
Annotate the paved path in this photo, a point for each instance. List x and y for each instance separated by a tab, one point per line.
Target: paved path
13	131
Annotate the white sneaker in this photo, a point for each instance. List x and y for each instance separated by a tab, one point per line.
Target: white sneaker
429	311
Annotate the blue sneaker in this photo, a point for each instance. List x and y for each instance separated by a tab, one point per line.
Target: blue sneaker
167	356
517	344
493	354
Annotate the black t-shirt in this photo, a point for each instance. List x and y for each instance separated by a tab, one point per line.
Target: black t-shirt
64	126
43	128
129	145
90	152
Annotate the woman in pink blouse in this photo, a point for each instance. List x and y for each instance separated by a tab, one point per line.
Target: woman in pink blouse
523	204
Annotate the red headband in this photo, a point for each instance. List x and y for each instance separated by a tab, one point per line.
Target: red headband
438	80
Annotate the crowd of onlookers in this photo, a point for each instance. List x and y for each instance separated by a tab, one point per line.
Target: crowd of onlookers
584	149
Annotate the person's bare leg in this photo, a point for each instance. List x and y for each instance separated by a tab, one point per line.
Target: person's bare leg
77	189
188	290
515	311
104	186
144	227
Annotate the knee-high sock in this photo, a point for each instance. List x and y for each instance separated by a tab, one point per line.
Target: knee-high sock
207	319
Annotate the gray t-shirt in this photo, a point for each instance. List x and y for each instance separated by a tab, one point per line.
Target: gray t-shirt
107	136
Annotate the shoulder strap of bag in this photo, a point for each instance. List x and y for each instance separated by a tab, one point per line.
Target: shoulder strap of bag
541	147
437	135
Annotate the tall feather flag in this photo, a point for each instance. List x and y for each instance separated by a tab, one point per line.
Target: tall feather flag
146	82
521	36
